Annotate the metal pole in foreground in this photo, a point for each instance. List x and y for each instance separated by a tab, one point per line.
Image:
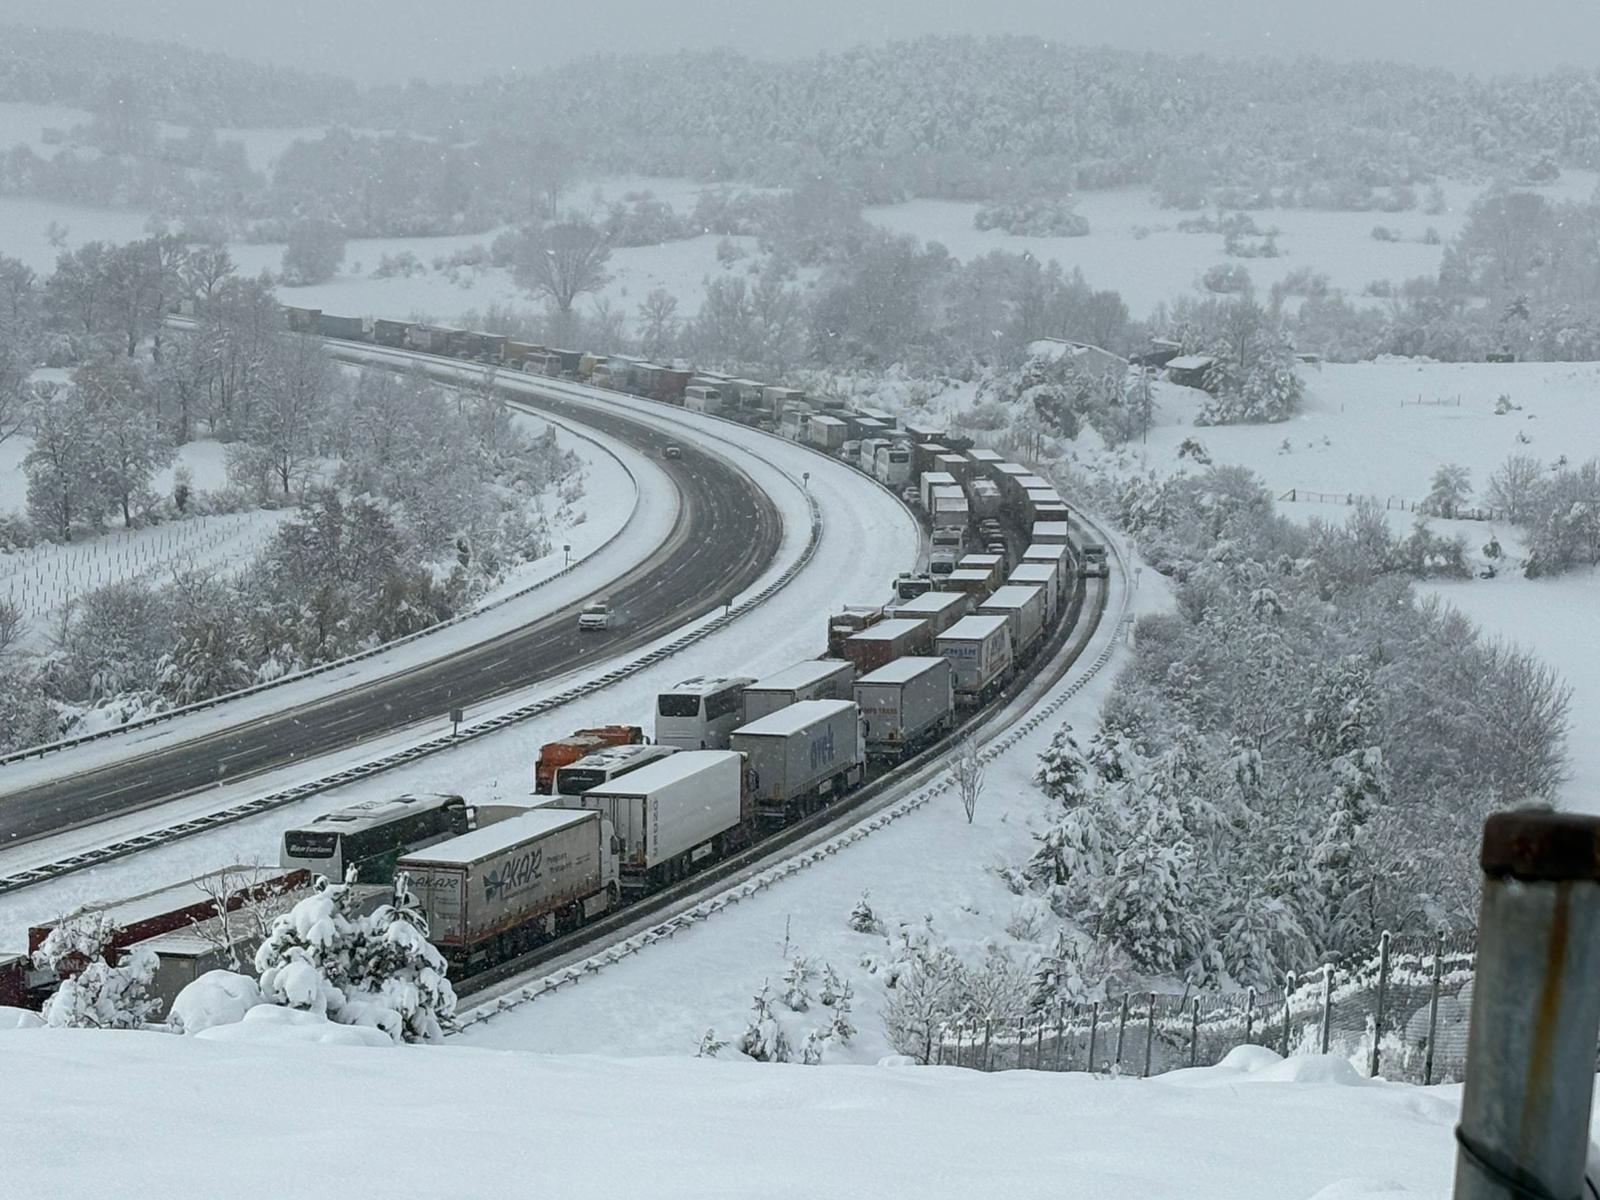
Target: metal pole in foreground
1535	1010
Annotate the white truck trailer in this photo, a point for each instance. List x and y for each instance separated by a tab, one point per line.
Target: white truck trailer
1038	574
1058	558
939	609
814	679
906	705
979	650
492	893
1023	609
1052	533
674	814
801	755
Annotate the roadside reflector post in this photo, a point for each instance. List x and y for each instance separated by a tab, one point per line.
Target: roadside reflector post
456	714
1525	1109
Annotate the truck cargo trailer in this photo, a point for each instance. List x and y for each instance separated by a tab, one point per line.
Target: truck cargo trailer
495	892
886	641
814	679
939	609
906	705
826	433
994	564
801	755
1057	533
929	481
979	650
1023	609
675	815
843	625
1058	558
1043	575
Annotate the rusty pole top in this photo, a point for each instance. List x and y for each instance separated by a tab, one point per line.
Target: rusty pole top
1541	847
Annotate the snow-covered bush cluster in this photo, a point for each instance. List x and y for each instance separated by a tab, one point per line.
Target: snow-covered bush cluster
376	970
94	994
774	1032
1298	757
1034	218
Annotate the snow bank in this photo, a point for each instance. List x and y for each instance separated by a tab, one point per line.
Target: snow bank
19	1018
268	1025
216	998
178	1115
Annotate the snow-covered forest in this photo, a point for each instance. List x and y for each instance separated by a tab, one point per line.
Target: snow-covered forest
400	501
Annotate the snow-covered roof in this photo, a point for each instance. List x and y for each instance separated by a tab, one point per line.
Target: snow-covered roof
930	603
790	720
1051	529
938	479
493	839
1032	572
685	764
980	455
1191	362
802	674
1014	595
1031	482
967	575
973	629
904	669
978	562
1043	552
827	421
886	631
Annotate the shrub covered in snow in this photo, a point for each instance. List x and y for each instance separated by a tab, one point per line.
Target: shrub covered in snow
377	970
94	994
216	998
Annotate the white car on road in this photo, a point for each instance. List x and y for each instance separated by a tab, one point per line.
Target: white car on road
595	617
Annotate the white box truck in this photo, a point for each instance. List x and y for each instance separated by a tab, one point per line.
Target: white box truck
802	754
1023	609
496	891
979	650
814	679
906	705
673	814
930	481
939	609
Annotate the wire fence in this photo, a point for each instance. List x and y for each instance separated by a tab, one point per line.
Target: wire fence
1390	503
1401	1014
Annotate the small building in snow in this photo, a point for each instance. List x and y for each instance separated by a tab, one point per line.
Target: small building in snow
1089	358
1190	370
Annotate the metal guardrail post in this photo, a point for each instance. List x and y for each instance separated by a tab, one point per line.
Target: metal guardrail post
1149	1035
1094	1030
1327	1004
1433	1011
1288	990
1525	1110
1122	1028
1383	997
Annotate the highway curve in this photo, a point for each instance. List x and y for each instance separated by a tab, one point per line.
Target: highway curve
726	534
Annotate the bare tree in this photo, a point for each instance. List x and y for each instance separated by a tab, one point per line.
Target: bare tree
207	265
300	383
246	901
967	771
1512	487
658	323
12	624
563	261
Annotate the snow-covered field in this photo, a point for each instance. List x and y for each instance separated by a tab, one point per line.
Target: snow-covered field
439	1122
868	537
1134	246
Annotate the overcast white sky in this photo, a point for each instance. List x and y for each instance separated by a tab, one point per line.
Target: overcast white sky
396	40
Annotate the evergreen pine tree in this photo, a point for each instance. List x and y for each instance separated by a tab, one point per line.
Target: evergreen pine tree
1065	773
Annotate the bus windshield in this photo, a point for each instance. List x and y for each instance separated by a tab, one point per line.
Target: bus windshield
679	706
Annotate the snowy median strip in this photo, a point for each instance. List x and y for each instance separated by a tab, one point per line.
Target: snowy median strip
941	784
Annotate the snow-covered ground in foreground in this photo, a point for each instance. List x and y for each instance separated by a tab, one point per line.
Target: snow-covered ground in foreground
1362	433
161	1115
868	538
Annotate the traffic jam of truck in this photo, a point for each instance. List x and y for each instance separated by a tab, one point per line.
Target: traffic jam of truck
617	812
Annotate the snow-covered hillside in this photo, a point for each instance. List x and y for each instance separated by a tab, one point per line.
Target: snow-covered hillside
164	1116
1362	432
